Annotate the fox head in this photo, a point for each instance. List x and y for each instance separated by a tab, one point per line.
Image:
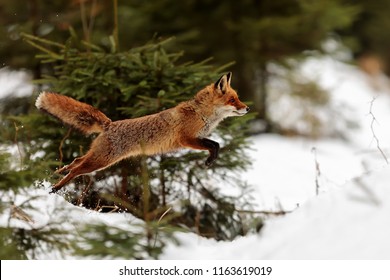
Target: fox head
218	100
225	98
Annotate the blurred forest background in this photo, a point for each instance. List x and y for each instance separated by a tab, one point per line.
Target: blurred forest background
131	58
249	33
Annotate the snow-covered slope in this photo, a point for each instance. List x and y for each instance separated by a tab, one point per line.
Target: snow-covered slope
349	223
352	223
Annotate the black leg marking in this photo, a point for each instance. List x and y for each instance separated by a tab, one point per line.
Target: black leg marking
213	148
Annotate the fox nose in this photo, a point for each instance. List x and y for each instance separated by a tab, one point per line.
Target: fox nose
247	109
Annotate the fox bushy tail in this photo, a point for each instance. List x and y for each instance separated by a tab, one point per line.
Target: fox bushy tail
81	116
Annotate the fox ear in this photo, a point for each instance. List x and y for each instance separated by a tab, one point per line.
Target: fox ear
229	77
223	82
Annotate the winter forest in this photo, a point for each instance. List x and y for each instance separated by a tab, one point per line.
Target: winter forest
304	175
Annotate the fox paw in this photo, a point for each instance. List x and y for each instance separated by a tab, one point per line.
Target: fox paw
209	162
54	190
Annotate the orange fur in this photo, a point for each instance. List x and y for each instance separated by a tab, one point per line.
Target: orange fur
183	126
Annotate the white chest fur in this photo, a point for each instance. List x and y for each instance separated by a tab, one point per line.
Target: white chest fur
210	124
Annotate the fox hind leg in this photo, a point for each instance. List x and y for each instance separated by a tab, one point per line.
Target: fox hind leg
68	167
80	166
63	182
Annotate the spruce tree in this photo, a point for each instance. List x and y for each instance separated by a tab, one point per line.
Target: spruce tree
166	192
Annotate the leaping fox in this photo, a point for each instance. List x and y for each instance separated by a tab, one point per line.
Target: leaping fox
185	126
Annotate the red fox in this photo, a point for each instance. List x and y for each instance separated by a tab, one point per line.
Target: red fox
183	126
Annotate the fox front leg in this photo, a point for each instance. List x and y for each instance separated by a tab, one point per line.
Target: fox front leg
203	144
213	148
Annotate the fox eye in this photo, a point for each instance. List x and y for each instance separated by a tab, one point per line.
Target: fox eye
232	100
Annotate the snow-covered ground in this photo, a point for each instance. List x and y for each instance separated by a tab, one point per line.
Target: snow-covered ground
348	218
350	223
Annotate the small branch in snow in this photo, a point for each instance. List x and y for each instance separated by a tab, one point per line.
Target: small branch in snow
318	171
18	213
84	193
264	212
373	131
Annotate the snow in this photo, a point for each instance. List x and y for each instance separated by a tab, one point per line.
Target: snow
350	223
347	219
15	83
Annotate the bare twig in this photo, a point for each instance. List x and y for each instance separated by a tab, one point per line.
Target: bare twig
92	17
87	24
318	170
115	31
164	214
84	193
62	144
18	213
17	145
264	212
373	131
162	182
158	223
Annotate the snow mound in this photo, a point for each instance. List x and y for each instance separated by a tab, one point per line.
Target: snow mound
349	223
